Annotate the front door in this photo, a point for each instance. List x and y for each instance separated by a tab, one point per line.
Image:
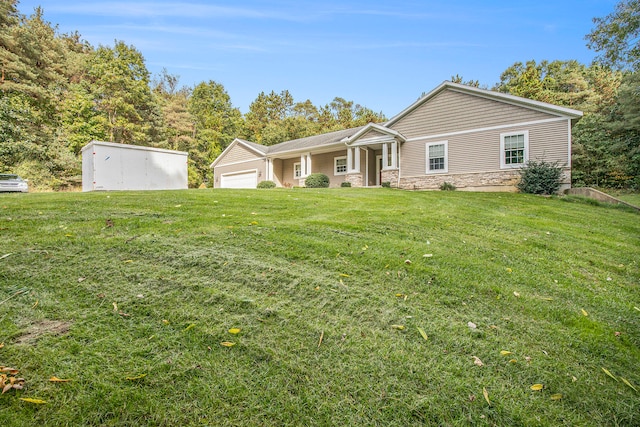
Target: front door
378	170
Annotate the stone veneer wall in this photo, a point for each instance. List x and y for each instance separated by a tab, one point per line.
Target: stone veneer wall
505	180
390	176
355	179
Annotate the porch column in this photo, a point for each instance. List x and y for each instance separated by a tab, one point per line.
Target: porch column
385	156
308	161
270	170
349	160
303	165
394	155
356	166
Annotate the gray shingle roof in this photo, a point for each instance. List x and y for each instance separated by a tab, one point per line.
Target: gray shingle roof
308	142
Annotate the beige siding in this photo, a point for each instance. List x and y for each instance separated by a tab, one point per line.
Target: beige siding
277	172
451	111
258	165
320	163
372	134
287	173
238	153
480	151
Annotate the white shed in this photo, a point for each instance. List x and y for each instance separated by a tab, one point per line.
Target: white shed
110	166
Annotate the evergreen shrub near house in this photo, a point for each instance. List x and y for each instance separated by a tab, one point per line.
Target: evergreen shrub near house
540	177
345	184
317	180
266	184
386	184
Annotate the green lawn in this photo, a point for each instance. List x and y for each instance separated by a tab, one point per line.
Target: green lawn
628	196
131	296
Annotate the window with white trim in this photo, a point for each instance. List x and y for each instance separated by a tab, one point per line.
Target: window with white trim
437	157
514	149
297	170
340	165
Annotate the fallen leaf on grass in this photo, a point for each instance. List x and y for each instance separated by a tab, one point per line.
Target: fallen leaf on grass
127	261
517	294
537	387
513	361
227	344
636	308
190	327
321	338
584	312
10	371
30	400
35	304
1	344
234	331
423	333
609	373
398	327
471	325
629	384
556	396
55	379
485	393
477	361
115	306
344	275
505	352
407	261
137	377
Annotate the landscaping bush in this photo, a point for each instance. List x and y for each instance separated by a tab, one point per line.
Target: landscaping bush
345	184
540	177
317	180
447	186
386	184
266	184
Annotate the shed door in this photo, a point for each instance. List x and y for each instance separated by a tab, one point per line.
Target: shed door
239	180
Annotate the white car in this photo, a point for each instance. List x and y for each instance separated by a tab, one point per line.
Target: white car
10	182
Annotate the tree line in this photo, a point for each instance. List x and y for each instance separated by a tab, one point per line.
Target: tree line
57	93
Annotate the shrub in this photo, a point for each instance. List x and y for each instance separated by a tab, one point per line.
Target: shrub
317	180
345	184
447	186
386	184
266	184
540	177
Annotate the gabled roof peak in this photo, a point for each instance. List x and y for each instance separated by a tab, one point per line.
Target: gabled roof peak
490	94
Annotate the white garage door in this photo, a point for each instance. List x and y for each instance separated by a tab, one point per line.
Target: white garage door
239	180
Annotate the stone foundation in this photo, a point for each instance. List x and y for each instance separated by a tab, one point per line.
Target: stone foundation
354	178
390	176
483	181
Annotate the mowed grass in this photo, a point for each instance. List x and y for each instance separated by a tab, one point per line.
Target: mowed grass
130	295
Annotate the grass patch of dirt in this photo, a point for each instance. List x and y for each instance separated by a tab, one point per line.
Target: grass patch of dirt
43	328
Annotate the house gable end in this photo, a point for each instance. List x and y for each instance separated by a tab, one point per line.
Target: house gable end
239	151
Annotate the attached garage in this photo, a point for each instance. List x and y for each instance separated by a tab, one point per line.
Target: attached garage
244	179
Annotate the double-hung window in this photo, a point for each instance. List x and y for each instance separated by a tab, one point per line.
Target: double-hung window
297	170
340	165
437	157
514	149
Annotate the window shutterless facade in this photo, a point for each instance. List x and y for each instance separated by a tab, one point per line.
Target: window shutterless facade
297	170
514	149
437	157
340	165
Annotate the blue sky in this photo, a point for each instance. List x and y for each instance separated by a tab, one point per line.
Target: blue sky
380	54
